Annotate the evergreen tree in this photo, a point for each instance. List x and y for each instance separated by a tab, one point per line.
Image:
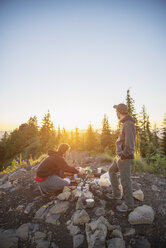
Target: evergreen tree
90	139
47	133
76	139
163	139
106	133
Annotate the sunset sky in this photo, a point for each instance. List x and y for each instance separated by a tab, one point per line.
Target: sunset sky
78	58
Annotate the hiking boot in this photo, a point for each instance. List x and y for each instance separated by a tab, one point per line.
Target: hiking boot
123	208
113	197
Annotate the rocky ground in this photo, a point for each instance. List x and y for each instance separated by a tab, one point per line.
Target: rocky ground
28	219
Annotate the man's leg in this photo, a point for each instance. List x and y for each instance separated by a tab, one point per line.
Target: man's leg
125	175
53	183
114	179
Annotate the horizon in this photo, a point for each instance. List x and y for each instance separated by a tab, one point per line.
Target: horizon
79	58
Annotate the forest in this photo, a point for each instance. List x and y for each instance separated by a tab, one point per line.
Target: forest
30	141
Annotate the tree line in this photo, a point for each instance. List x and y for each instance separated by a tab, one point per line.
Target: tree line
31	140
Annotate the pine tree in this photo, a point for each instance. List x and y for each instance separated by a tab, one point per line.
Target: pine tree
106	133
76	139
91	141
163	139
47	133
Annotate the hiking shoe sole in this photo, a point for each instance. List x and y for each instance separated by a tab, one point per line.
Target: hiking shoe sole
112	197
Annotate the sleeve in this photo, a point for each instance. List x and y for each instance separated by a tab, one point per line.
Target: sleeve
129	146
65	167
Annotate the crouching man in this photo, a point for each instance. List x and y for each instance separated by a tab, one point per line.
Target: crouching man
124	159
51	170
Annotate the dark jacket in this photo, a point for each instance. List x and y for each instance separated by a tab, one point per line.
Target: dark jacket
125	145
53	164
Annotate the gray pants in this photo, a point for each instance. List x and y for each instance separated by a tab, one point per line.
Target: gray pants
53	183
124	166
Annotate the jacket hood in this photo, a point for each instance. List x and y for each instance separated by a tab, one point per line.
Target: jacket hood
128	118
52	153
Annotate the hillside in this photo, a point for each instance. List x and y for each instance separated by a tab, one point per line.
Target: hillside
30	220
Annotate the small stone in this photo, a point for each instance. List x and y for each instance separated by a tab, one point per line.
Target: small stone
116	233
129	232
19	208
73	229
79	204
142	243
40	235
141	215
59	208
28	208
78	240
43	244
7	185
116	243
40	212
80	217
66	189
23	231
154	188
53	219
100	212
64	196
139	195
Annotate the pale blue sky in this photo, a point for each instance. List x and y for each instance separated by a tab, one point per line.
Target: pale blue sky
78	58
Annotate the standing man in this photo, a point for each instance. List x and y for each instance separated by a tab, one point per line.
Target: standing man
124	159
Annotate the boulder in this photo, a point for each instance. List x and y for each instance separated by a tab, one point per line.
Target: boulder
73	229
116	243
80	217
60	207
141	215
78	240
139	195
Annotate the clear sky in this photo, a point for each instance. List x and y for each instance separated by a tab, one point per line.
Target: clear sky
78	58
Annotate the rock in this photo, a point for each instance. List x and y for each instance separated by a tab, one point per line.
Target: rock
96	233
88	195
90	203
162	210
139	195
80	217
41	211
8	240
28	208
73	229
66	189
59	208
23	231
154	188
116	243
53	245
53	219
64	196
7	185
39	235
3	179
43	244
142	243
141	215
129	232
78	240
100	212
79	204
116	233
19	208
77	193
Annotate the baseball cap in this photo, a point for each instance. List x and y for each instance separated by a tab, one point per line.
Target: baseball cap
122	108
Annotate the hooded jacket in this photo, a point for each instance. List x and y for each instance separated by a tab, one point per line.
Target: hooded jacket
125	144
53	164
